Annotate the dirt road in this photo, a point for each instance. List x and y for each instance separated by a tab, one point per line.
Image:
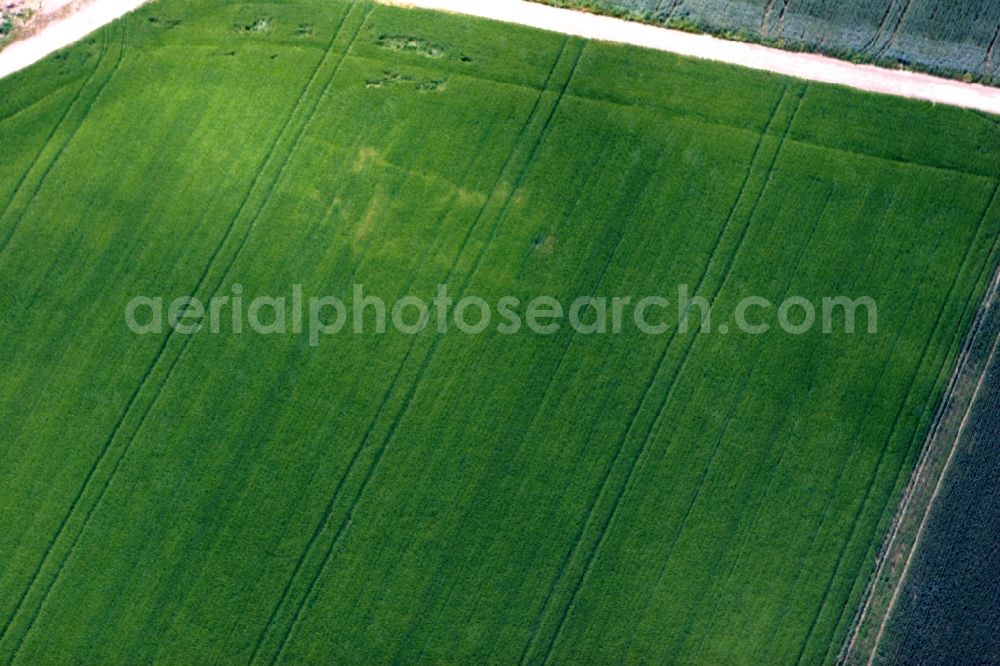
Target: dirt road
62	22
801	65
92	14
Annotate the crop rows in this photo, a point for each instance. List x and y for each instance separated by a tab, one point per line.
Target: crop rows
709	498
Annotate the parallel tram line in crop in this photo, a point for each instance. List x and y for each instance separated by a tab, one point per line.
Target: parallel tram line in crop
154	363
227	538
856	440
781	16
101	53
71	132
771	475
356	266
880	28
734	408
988	60
322	524
895	30
603	485
657	425
594	288
649	385
401	413
927	510
381	449
765	17
286	591
841	470
3	246
594	170
873	476
522	440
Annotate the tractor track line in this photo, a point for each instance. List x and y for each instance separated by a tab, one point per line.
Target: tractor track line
59	153
773	469
731	414
593	171
383	448
391	391
158	355
102	52
602	487
651	381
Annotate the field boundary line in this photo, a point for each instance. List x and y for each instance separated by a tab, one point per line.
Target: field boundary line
5	243
955	350
937	489
874	475
924	472
156	359
65	27
807	66
892	433
884	368
804	66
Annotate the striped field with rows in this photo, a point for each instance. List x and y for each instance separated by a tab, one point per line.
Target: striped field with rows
682	497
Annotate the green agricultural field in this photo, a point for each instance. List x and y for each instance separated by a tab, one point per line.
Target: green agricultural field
958	38
701	498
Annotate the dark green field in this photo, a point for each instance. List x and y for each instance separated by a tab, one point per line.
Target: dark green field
681	497
947	608
957	38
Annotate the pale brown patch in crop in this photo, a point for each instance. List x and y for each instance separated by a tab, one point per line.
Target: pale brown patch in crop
545	244
375	208
368	156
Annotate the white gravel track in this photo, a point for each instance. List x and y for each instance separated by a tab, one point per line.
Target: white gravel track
800	65
81	19
92	14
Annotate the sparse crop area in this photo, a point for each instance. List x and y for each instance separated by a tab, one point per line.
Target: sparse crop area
956	38
13	17
702	498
